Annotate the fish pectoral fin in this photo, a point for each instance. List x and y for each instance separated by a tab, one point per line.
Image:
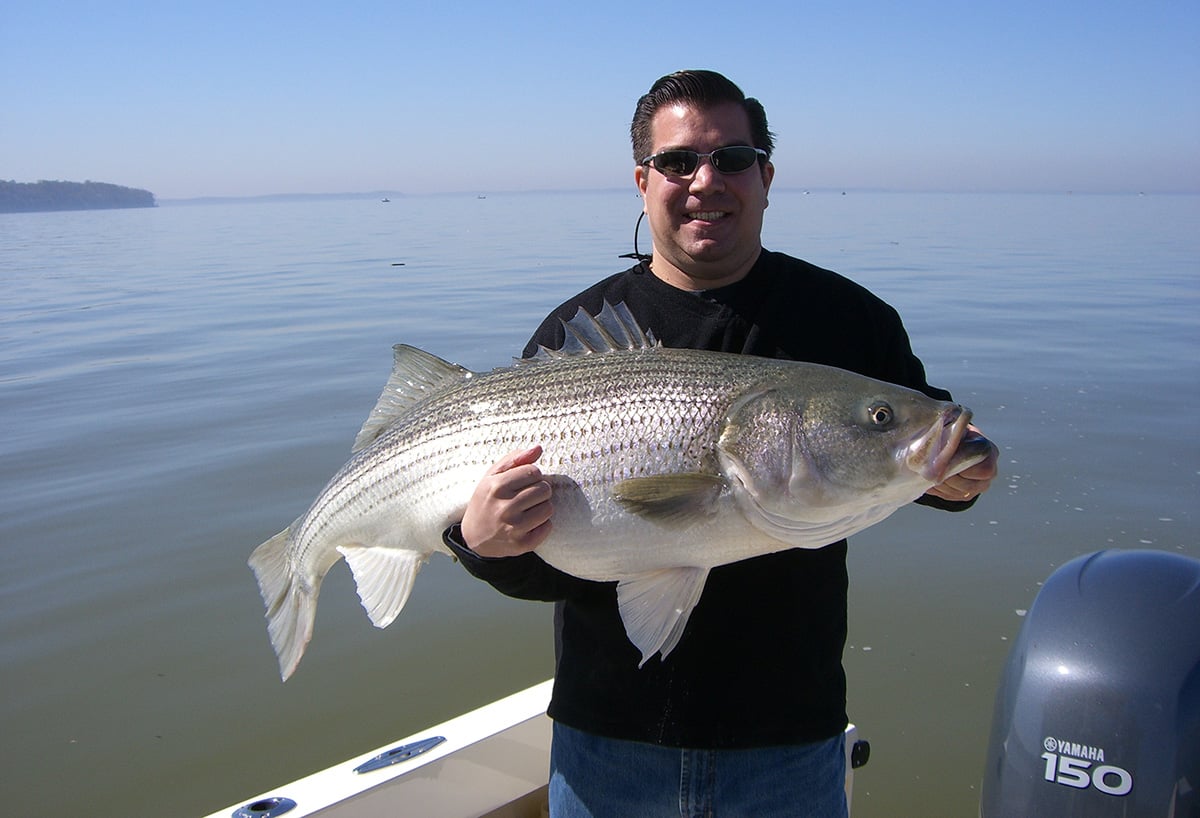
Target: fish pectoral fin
655	607
674	500
384	577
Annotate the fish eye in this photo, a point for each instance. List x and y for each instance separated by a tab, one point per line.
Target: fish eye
881	414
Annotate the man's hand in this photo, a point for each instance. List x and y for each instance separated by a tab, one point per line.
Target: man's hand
509	512
972	482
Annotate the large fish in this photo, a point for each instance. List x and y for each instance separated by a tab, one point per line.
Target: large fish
664	462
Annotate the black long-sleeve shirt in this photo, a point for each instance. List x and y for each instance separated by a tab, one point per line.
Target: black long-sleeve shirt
760	660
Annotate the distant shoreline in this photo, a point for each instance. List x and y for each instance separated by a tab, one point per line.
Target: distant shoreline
283	197
45	196
387	196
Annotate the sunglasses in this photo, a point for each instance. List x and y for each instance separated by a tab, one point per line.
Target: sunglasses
733	159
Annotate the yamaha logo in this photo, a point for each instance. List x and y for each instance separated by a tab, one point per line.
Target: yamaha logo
1081	766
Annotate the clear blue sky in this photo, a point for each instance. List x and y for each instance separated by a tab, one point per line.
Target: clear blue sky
244	98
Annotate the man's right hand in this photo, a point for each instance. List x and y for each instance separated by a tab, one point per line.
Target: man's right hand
509	512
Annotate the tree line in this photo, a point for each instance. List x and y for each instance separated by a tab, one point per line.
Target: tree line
22	197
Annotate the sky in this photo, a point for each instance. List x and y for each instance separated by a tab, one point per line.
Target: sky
190	99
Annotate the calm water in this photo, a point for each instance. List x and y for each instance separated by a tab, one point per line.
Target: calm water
177	384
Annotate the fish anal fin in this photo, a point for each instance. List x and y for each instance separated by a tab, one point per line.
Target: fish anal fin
673	500
416	374
655	607
384	577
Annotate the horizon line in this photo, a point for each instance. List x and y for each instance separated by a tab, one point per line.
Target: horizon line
249	197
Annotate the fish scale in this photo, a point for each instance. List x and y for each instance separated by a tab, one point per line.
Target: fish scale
664	463
626	411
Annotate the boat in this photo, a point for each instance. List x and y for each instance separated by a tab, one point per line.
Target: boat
493	762
1097	713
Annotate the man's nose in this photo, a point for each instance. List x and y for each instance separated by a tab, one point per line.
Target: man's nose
705	176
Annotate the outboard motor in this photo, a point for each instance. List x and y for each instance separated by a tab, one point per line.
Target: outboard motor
1098	710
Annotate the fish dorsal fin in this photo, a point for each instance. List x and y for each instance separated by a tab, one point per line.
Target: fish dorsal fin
416	375
613	329
655	607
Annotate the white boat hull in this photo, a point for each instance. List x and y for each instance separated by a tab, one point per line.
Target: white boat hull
494	762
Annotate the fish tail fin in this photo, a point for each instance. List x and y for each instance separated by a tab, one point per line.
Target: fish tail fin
291	606
384	578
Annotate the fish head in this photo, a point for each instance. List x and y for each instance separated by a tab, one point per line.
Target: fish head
824	455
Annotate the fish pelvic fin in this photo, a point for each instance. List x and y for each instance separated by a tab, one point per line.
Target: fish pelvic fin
416	374
655	607
291	604
613	329
673	500
384	577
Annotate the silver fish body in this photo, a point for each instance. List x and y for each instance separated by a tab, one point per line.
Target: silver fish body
665	463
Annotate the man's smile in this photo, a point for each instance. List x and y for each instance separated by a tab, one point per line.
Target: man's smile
707	215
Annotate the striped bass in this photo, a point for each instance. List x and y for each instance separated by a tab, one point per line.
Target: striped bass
664	463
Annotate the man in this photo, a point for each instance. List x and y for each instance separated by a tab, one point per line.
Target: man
745	716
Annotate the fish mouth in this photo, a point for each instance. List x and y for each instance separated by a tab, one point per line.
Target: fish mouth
945	448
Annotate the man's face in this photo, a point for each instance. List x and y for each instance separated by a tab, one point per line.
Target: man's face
706	226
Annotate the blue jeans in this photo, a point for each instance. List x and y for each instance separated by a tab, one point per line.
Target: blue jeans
596	777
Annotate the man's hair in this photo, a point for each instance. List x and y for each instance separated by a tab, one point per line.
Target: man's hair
700	89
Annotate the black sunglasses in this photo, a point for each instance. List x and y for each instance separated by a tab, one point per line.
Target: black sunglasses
733	159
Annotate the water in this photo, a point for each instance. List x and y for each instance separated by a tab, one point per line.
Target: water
177	384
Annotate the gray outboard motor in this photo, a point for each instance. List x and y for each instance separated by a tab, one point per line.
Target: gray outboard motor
1098	710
